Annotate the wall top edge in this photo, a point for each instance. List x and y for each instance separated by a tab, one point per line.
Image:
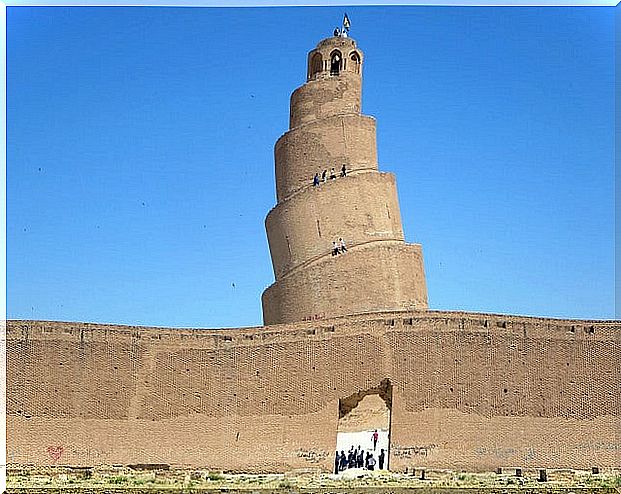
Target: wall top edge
338	321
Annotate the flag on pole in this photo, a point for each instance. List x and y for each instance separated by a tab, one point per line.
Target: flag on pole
346	23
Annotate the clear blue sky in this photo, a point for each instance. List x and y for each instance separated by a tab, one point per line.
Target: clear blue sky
140	155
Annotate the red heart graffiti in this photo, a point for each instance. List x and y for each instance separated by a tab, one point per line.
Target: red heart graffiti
55	452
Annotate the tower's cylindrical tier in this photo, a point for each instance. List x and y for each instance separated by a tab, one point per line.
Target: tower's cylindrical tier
382	276
358	208
325	97
324	144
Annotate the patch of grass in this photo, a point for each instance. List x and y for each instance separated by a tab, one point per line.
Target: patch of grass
215	476
285	484
466	477
611	482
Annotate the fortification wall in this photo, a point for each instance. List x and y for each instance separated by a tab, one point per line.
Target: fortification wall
377	276
470	391
359	208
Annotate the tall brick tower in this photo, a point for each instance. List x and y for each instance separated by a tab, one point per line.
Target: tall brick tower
379	271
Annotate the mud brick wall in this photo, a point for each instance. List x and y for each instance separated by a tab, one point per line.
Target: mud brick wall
470	391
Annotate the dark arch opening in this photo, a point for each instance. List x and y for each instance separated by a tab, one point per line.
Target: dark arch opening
336	62
316	64
355	58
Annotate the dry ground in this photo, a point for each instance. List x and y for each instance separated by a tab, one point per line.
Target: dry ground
123	479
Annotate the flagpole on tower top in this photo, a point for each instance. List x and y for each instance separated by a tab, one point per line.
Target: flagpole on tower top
346	25
342	32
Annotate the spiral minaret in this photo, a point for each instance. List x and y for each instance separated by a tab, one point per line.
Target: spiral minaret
378	271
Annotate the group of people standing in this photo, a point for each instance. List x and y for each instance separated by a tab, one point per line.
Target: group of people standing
356	458
317	179
339	247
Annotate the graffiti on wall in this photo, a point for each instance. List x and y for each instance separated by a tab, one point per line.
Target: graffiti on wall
55	452
312	455
413	451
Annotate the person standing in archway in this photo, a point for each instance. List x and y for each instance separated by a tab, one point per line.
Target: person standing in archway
375	437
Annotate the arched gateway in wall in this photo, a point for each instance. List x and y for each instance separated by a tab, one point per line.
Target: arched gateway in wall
349	344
